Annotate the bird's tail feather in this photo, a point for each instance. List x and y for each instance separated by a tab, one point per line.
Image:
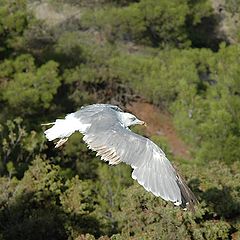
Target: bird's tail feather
62	128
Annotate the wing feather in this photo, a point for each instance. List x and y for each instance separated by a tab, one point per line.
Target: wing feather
115	144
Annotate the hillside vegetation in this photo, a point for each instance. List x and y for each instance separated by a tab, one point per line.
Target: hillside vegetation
56	56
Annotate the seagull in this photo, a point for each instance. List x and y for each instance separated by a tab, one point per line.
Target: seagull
105	128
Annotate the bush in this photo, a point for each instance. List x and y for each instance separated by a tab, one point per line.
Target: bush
35	87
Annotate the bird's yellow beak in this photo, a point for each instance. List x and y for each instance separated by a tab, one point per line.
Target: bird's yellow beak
143	123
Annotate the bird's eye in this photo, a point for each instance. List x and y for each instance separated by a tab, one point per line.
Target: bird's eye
132	118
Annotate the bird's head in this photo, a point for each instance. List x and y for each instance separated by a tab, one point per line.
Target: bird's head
129	119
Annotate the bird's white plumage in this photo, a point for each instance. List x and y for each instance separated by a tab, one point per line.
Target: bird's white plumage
63	128
105	130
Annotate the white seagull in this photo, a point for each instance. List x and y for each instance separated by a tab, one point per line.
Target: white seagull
106	130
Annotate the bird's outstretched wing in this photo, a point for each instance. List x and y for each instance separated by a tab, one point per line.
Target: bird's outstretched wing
115	144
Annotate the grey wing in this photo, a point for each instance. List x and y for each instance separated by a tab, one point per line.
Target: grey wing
91	113
151	168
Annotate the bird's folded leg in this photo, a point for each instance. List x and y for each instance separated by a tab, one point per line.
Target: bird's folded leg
61	142
47	124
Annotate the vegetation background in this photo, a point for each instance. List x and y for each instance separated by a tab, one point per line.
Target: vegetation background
180	56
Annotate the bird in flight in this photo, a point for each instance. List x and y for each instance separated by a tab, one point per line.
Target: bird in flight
106	130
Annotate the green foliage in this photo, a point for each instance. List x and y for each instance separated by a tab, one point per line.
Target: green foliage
86	166
18	147
219	192
199	9
69	49
91	76
92	3
147	217
41	205
158	78
109	197
150	22
35	87
233	6
14	19
209	110
163	144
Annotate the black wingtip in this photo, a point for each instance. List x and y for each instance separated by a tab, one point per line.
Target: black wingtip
189	201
